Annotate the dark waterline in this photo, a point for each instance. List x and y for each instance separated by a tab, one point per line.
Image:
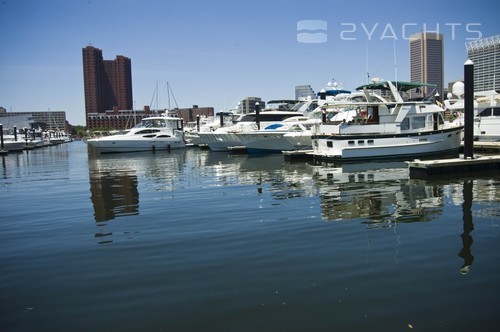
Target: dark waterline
199	241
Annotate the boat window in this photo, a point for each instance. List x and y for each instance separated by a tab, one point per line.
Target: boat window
147	131
405	124
159	123
485	112
418	122
267	117
297	106
329	144
248	118
496	111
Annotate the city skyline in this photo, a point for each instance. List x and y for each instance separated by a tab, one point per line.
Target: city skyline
217	53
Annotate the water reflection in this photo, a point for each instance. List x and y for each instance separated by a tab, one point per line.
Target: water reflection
381	193
114	180
467	240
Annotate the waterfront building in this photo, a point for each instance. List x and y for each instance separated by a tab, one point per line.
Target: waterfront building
107	83
126	119
247	105
190	114
485	54
304	91
426	61
48	120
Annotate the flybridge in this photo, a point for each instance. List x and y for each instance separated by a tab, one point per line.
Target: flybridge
400	85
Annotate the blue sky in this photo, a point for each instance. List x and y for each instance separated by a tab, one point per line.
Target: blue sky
214	53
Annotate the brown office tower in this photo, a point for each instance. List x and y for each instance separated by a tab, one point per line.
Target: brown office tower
107	83
426	60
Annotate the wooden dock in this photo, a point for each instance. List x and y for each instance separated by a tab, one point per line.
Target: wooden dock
423	168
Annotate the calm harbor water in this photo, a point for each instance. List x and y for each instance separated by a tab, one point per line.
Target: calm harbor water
193	240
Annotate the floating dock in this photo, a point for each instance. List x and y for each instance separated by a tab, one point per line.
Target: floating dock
297	154
419	168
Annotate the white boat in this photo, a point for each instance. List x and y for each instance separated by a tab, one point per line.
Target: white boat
151	134
386	125
486	112
271	139
225	138
295	133
13	146
207	124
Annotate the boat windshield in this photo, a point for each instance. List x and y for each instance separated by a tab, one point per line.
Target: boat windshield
150	123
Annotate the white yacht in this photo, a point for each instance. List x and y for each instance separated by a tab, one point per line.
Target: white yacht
225	138
294	133
271	139
151	134
207	124
486	112
386	124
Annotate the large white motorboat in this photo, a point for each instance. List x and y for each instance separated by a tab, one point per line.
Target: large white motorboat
295	133
486	112
271	139
225	138
386	124
207	124
151	134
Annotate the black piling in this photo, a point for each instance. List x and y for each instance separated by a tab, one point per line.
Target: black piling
1	138
257	115
469	110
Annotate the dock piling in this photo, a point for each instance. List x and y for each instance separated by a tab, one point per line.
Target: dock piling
469	110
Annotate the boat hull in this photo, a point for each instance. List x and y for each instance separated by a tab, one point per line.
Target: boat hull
258	142
220	141
369	147
120	145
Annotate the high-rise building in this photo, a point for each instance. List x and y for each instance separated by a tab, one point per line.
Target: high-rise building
426	60
247	105
304	91
107	83
485	54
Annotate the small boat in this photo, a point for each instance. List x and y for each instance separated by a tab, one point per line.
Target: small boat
386	124
151	134
13	146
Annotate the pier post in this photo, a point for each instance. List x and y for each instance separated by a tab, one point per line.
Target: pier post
469	110
322	94
221	118
198	123
257	115
15	133
1	137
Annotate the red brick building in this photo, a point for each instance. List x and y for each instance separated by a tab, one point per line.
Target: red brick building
107	83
